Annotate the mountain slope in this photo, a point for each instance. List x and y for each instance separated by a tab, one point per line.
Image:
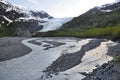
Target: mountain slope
106	15
20	21
99	22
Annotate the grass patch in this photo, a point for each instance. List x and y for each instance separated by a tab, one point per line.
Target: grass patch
117	58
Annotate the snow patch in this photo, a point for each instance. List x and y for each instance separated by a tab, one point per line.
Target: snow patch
106	10
8	9
9	20
4	1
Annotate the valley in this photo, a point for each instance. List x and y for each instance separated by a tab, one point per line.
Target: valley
55	58
37	46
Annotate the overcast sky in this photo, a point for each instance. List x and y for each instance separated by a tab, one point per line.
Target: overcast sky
61	8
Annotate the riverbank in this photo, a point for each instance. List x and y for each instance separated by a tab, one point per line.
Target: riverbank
108	71
11	47
55	58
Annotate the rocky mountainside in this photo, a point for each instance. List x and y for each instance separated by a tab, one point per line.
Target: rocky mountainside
99	22
106	15
20	21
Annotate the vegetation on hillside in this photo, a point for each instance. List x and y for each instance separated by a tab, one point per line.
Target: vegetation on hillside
97	18
7	30
95	23
112	32
99	22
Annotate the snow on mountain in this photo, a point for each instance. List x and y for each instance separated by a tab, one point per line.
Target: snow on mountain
3	1
54	24
27	20
106	10
10	21
7	7
39	19
110	7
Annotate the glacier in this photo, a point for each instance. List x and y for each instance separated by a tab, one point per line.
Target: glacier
55	23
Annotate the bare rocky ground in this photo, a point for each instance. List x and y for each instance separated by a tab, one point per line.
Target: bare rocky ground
109	71
11	47
67	61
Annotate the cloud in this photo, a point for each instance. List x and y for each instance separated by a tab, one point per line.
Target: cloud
33	1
